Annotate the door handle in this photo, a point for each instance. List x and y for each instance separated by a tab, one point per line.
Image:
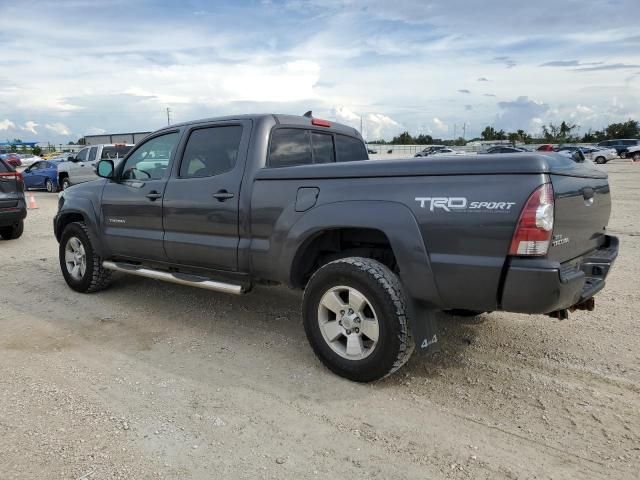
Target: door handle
222	195
153	195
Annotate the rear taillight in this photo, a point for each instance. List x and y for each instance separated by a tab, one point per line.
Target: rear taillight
12	176
535	225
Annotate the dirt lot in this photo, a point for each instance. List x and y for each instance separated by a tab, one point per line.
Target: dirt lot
152	380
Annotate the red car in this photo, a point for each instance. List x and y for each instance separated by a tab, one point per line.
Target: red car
545	148
13	160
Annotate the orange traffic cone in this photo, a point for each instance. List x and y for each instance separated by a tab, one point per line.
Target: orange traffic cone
31	201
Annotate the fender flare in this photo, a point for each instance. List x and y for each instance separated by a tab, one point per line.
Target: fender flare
83	207
394	219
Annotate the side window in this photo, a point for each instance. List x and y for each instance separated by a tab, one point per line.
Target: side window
350	149
322	144
211	151
290	146
92	154
151	160
628	142
82	154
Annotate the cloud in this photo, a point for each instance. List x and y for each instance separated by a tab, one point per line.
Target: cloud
468	108
464	90
483	79
94	131
488	94
7	124
611	66
439	125
508	61
59	128
561	63
519	113
30	126
374	125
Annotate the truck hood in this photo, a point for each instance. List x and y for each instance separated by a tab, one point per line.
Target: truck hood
519	163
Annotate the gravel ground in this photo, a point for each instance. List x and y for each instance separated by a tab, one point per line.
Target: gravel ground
152	380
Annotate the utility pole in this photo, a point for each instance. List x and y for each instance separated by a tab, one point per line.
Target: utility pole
455	129
464	130
361	126
168	116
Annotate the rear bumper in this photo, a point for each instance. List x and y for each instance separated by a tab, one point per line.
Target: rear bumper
12	215
540	286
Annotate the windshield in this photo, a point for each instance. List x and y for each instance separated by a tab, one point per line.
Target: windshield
117	151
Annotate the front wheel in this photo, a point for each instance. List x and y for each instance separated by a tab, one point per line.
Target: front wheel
65	183
601	160
48	184
623	154
81	266
356	320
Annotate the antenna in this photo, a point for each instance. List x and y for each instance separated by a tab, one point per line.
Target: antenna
309	114
168	116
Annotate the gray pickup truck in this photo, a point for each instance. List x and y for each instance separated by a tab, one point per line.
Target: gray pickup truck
377	246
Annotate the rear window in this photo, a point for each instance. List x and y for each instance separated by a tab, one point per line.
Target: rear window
117	151
350	149
4	167
629	142
290	146
322	148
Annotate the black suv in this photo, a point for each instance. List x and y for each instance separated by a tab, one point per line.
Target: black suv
620	144
13	208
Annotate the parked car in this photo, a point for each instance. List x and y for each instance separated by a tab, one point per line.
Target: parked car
371	151
13	208
378	246
448	151
42	175
28	160
545	148
634	153
505	149
81	167
621	145
12	159
429	150
600	155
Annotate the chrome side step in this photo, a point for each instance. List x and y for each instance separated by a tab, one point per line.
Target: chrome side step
179	278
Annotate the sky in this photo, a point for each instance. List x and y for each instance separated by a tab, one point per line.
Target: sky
441	67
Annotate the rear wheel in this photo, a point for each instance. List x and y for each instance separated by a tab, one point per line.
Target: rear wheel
356	320
636	157
13	231
65	183
601	160
623	154
80	264
48	184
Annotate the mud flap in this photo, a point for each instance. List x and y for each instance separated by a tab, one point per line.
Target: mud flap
424	327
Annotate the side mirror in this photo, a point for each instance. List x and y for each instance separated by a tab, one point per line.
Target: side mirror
105	169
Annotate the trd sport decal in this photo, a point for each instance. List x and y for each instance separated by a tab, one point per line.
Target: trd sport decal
461	204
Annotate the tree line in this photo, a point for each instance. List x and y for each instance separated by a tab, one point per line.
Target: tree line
563	132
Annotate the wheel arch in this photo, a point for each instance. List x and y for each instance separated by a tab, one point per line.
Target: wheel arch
389	223
67	216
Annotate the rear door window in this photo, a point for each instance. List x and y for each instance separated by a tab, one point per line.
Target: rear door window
290	146
92	154
211	151
116	151
322	144
350	149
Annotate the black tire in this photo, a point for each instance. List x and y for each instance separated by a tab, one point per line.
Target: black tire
385	294
95	277
636	156
12	232
65	183
601	160
459	312
623	154
49	186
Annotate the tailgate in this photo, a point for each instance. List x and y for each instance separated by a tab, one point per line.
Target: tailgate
582	209
9	188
